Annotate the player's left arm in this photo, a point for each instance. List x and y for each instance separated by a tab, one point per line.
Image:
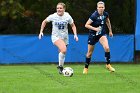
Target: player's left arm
109	27
74	31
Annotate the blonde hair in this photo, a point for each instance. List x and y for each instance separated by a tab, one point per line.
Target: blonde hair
100	2
61	3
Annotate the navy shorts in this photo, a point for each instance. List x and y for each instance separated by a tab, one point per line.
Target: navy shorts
93	39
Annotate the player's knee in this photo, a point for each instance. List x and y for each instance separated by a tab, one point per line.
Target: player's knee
63	50
89	55
107	49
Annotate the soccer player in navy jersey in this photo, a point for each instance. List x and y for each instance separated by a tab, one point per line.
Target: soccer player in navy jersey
96	25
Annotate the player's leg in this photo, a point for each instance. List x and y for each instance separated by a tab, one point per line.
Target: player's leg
88	58
92	40
103	40
62	51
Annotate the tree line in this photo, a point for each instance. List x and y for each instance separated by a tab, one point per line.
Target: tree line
25	16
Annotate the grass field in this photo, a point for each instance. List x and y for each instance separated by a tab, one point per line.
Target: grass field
45	79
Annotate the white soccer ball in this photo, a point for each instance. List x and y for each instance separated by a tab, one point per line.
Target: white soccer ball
68	72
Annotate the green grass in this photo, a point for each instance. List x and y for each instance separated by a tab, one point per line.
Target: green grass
45	79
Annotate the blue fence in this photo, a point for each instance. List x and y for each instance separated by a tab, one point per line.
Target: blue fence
29	49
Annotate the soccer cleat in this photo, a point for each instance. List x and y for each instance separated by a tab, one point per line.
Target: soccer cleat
60	69
110	68
85	71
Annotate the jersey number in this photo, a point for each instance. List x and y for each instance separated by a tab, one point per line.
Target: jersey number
61	27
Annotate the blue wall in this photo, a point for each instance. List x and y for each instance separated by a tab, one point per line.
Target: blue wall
29	49
137	33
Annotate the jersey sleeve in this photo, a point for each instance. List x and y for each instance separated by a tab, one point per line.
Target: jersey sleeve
70	21
49	18
92	17
107	15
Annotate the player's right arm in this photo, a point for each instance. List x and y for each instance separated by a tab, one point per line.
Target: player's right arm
48	19
42	28
89	26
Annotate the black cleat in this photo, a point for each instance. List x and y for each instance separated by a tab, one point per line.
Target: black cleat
60	69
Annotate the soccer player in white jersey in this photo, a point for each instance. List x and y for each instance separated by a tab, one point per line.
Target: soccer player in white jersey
60	21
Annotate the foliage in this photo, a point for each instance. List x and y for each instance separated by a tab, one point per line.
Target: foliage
25	16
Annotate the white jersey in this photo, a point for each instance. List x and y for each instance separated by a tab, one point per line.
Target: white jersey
60	25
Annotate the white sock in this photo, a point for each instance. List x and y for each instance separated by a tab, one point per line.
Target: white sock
61	58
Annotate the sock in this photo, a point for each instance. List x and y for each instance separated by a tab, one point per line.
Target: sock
107	57
87	62
61	58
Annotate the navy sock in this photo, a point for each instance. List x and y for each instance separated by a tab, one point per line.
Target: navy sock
87	62
107	57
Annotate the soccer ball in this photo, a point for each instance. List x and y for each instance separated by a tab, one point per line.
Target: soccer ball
68	72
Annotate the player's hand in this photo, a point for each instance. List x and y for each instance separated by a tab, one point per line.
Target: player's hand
40	35
76	37
110	34
97	29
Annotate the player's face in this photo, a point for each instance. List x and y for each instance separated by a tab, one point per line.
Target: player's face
60	10
100	8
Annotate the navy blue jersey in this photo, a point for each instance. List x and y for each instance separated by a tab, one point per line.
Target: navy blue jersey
99	21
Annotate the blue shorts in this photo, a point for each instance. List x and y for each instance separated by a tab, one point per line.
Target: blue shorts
93	39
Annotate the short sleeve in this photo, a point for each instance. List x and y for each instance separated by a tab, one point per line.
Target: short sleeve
92	17
107	15
49	18
70	21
